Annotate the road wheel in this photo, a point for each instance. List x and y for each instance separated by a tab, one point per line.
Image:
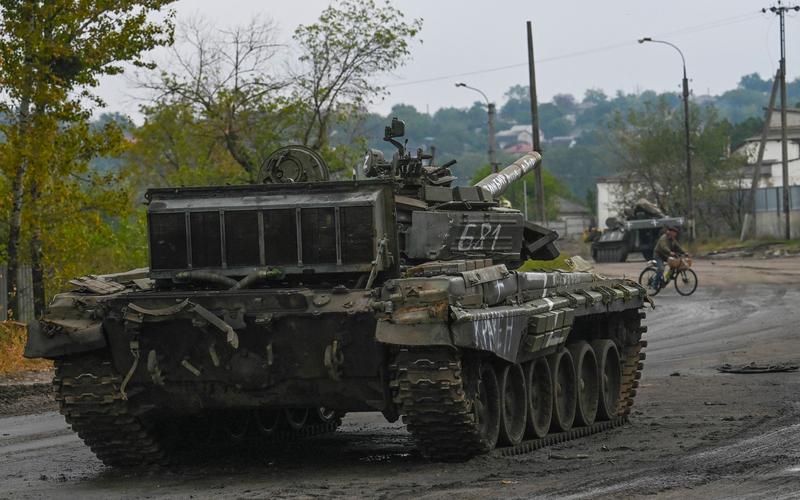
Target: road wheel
486	406
540	397
610	377
513	404
236	424
326	415
562	371
649	279
267	421
296	417
587	381
686	282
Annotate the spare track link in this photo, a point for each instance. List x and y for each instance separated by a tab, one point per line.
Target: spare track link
87	389
429	391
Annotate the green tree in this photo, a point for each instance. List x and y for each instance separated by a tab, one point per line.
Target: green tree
53	54
648	147
341	54
176	147
517	108
224	81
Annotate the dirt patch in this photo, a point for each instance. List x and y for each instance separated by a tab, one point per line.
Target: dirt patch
24	399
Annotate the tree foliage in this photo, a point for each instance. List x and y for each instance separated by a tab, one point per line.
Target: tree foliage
235	85
53	54
649	150
353	41
225	81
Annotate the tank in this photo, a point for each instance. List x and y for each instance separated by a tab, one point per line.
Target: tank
269	311
638	231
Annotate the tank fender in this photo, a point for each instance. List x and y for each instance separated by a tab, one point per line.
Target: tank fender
416	312
56	340
498	330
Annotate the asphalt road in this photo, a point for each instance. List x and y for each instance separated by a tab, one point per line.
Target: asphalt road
694	433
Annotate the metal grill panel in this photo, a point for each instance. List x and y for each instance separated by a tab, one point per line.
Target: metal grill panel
241	238
168	241
357	234
319	236
280	236
206	239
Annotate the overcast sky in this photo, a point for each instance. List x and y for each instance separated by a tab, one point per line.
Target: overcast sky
579	45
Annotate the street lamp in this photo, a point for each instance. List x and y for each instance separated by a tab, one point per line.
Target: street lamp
491	110
690	199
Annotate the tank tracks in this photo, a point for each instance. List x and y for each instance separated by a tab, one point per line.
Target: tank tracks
429	390
87	388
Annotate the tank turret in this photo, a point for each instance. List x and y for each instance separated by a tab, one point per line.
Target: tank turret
440	222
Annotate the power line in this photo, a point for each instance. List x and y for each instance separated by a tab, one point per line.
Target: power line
690	29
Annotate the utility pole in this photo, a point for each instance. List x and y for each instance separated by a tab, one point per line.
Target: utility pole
751	214
780	11
492	159
490	107
535	128
687	132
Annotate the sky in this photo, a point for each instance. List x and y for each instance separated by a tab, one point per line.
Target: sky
578	45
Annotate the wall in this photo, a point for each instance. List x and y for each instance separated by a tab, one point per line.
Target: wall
771	224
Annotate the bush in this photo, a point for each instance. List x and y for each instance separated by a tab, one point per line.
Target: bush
12	344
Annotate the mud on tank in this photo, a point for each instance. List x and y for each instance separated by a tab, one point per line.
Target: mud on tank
271	310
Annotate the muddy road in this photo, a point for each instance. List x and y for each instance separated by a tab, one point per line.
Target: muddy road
694	432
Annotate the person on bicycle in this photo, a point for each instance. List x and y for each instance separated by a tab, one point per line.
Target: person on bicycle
667	246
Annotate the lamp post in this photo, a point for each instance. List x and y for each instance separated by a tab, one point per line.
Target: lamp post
491	111
689	196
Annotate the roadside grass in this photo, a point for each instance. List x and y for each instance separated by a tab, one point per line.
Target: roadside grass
733	244
12	344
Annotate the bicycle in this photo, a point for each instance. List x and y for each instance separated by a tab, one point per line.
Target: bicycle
678	271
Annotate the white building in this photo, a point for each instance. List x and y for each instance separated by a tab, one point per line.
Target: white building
769	196
611	197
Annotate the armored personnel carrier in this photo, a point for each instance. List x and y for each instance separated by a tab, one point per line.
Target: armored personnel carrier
638	231
268	311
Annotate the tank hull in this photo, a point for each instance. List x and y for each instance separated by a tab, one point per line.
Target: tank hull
177	354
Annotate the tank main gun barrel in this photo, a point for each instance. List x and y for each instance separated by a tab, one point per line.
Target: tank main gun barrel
496	184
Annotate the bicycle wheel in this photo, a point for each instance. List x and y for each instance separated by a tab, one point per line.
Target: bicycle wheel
649	280
686	282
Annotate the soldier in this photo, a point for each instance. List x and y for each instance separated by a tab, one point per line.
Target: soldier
667	246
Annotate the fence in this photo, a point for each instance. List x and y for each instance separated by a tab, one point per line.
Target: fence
24	294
